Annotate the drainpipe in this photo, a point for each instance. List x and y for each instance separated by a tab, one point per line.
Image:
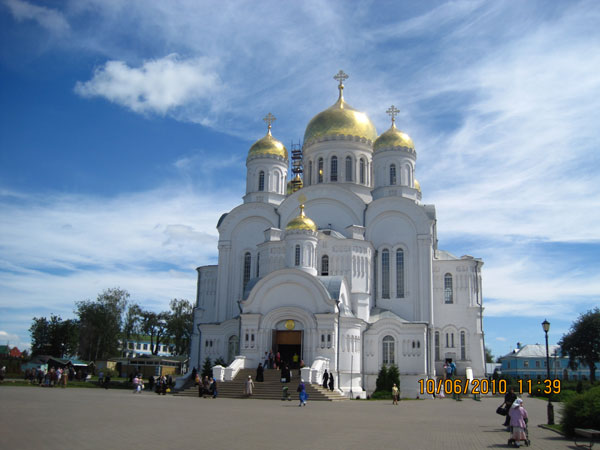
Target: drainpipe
337	363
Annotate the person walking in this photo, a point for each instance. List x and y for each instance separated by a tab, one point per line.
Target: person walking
325	379
260	373
331	381
509	399
302	395
395	394
248	386
518	422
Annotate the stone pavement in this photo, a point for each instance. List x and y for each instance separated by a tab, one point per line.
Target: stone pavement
53	418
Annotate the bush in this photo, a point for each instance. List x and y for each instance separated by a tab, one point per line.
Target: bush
381	395
220	362
207	368
582	411
386	379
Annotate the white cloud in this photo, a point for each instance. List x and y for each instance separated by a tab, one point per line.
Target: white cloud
158	86
48	18
12	340
501	339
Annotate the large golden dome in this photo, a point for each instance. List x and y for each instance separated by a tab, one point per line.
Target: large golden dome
393	138
301	222
340	119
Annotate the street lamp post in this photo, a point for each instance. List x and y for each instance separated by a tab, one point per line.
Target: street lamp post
546	327
199	346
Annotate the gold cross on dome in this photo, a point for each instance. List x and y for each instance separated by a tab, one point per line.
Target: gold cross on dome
392	111
341	77
269	119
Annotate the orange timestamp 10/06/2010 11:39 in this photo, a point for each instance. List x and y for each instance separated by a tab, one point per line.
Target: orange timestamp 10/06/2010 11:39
484	386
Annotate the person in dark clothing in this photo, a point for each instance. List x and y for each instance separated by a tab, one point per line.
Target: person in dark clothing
509	399
260	373
106	381
325	379
331	381
213	388
288	374
194	373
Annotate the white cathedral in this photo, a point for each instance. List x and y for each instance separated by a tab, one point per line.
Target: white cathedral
339	266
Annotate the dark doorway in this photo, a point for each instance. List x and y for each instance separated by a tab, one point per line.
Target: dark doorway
288	344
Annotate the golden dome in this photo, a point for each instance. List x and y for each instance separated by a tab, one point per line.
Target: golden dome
268	145
417	185
288	188
340	119
301	222
393	138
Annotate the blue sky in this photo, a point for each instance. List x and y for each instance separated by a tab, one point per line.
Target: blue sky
124	127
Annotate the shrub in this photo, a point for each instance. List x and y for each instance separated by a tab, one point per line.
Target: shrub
207	368
381	382
381	395
220	362
582	411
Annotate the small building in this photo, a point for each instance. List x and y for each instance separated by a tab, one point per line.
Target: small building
150	365
529	361
142	345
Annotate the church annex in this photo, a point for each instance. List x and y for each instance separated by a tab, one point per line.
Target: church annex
339	265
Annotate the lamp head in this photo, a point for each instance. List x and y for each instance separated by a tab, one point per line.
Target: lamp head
546	325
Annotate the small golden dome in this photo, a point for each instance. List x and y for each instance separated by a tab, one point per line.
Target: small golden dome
268	145
301	222
340	119
288	188
417	185
393	138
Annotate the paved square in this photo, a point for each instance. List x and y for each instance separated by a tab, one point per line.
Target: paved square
43	418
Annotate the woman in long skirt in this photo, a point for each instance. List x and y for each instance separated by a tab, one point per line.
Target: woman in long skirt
518	422
302	395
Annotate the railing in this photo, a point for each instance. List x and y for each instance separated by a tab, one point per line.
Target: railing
314	374
228	373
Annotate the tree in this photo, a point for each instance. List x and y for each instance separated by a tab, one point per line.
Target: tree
489	358
582	343
54	337
381	382
155	325
207	368
100	324
180	323
132	322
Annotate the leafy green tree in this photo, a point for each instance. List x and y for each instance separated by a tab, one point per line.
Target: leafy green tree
582	343
489	358
100	324
54	337
132	322
180	323
207	368
155	326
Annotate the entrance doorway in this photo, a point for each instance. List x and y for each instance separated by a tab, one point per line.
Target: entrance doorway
288	344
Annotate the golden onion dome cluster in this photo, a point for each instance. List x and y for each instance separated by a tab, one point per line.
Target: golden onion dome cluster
301	222
393	138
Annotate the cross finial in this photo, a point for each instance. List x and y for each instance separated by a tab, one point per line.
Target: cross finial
269	119
341	76
393	112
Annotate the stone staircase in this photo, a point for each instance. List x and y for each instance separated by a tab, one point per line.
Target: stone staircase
270	389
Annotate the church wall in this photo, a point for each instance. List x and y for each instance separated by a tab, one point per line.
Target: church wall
207	291
460	316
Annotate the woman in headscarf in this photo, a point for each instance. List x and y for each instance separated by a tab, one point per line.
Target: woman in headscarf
248	386
518	422
325	379
331	381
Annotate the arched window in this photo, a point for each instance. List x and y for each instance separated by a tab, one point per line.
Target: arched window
261	181
348	168
437	345
393	174
325	266
448	298
297	256
320	171
333	175
399	273
309	173
257	264
362	171
463	343
247	262
385	274
388	350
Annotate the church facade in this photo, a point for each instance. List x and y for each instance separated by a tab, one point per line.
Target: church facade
339	266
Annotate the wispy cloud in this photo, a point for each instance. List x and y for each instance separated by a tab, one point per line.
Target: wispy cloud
158	86
48	18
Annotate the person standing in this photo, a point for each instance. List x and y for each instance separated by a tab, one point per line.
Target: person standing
260	373
302	395
509	399
271	359
205	385
325	379
395	394
249	386
266	360
331	381
213	387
